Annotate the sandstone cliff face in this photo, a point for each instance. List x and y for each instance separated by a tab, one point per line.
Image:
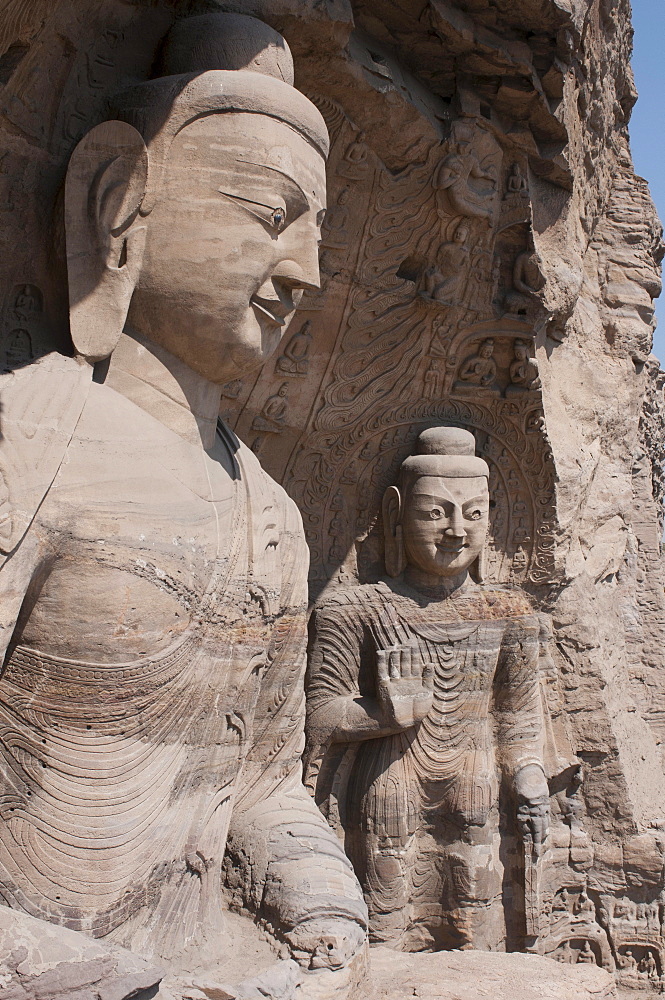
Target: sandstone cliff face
547	86
481	189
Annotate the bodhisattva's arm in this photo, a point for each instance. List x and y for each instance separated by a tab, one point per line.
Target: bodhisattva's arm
336	710
398	684
521	727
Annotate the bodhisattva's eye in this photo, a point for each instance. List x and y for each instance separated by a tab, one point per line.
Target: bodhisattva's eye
436	514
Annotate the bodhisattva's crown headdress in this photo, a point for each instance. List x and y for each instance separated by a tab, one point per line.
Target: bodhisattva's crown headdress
210	64
446	452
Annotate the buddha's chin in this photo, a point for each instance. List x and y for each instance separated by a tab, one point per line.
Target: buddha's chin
446	567
261	338
255	343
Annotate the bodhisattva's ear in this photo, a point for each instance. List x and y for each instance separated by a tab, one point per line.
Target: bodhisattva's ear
106	183
395	556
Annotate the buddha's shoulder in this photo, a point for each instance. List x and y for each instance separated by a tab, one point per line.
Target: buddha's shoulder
32	394
352	598
41	404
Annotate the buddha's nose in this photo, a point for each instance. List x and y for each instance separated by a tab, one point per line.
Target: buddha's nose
455	527
301	274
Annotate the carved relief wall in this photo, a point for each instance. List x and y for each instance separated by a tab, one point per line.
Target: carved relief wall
449	287
482	266
418	286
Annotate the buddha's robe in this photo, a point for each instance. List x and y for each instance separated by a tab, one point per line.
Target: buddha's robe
151	700
418	810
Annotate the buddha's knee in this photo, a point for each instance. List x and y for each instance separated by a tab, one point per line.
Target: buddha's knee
326	942
474	875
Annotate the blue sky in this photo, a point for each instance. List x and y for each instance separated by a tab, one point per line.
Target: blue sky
647	126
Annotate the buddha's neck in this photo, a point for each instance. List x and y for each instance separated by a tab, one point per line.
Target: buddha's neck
435	587
165	387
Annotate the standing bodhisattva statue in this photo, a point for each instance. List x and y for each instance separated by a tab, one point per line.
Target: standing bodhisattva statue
423	698
154	577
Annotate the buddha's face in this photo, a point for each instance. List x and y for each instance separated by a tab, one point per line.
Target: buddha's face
232	243
444	524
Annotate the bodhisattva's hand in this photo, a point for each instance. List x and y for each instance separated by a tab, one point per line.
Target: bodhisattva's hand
404	685
533	805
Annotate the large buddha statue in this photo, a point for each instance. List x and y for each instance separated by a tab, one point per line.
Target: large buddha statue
154	577
425	718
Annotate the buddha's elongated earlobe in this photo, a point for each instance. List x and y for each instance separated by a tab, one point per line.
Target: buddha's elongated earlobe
106	182
481	565
395	556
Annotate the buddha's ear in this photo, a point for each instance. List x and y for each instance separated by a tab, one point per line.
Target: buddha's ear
479	568
395	556
106	183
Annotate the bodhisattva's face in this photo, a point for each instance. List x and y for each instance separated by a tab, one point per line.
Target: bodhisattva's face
232	243
444	524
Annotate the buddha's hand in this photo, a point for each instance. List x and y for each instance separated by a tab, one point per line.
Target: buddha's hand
404	685
533	805
326	943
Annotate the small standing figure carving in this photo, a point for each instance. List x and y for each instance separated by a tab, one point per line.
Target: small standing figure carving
523	370
479	368
444	281
335	235
423	694
527	282
354	164
433	379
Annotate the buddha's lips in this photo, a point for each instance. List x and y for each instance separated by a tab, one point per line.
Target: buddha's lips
274	309
449	547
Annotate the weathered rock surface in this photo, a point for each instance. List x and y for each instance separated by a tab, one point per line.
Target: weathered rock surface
488	262
475	976
41	961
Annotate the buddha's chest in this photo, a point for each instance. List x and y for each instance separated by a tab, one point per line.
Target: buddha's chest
128	563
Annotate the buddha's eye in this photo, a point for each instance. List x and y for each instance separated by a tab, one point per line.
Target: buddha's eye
473	515
278	218
270	214
435	514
